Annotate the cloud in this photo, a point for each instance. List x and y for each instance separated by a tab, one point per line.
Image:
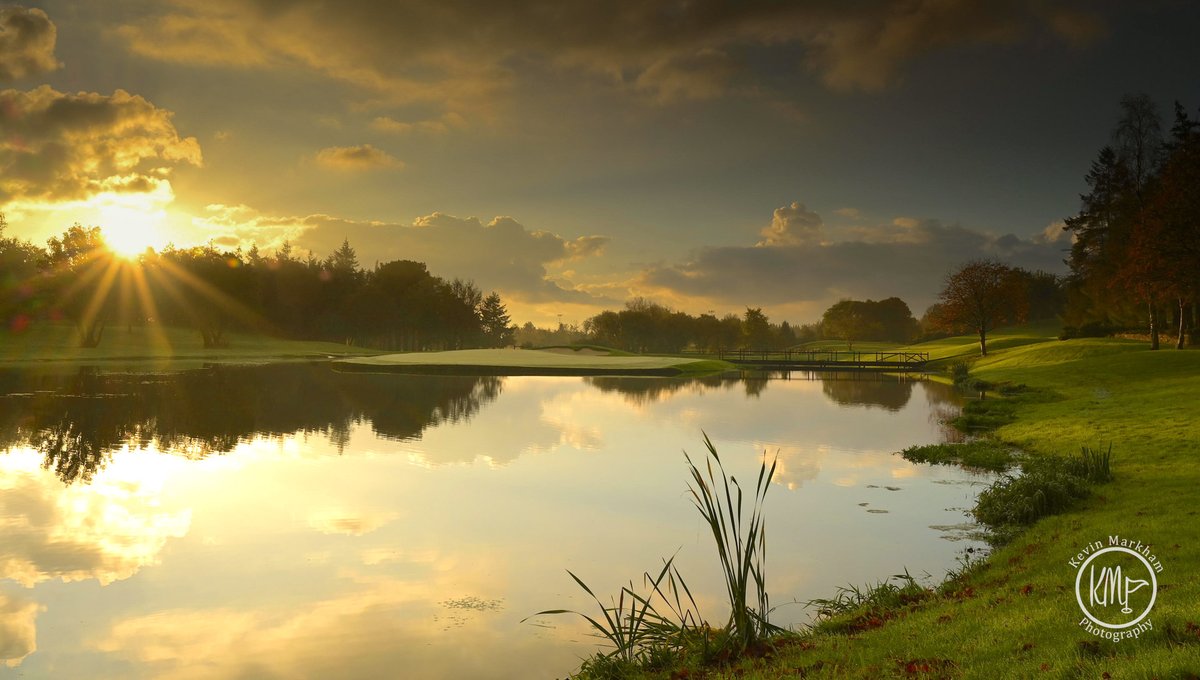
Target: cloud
106	531
1053	233
348	523
380	626
62	147
358	158
438	126
502	254
908	258
792	225
849	213
863	50
27	39
700	75
18	629
662	48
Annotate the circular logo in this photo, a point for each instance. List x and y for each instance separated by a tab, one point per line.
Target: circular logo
1116	587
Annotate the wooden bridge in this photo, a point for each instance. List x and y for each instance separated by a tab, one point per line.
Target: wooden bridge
826	360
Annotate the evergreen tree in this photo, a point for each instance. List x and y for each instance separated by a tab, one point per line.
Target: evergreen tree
495	322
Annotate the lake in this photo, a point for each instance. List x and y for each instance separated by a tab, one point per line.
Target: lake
292	521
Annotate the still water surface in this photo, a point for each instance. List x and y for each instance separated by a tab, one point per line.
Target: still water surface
295	522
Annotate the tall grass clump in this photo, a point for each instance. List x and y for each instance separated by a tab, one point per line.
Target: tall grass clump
854	608
632	624
1094	465
661	624
741	541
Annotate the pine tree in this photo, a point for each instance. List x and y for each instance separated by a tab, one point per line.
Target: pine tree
495	321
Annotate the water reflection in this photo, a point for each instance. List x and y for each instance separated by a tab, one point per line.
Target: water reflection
18	628
452	515
867	388
106	531
642	391
77	419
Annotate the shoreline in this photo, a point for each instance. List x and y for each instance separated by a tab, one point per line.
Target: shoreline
1014	613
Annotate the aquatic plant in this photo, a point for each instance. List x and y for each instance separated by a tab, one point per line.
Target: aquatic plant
1094	465
741	542
662	622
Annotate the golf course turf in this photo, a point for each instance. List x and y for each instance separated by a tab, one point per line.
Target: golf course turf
528	362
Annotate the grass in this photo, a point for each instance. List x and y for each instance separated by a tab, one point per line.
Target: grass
979	454
59	343
531	362
841	346
611	351
741	540
646	636
1014	614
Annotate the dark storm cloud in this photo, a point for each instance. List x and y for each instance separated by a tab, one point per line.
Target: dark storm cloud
56	146
27	39
458	51
908	259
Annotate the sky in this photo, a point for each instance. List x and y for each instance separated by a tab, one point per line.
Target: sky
709	156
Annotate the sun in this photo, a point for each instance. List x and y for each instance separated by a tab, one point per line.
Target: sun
129	230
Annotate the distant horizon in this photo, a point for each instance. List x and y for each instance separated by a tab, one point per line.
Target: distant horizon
782	157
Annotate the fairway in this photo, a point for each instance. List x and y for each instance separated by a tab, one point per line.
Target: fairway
58	343
529	362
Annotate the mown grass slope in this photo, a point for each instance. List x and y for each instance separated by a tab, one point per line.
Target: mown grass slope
59	343
530	362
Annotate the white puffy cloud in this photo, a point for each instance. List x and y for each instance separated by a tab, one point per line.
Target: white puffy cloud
27	38
792	225
57	146
1054	232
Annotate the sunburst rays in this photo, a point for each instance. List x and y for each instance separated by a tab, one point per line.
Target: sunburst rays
98	286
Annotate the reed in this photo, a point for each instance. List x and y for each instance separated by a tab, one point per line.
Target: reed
739	531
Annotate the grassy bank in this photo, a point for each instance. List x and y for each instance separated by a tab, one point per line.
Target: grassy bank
58	344
531	362
1015	615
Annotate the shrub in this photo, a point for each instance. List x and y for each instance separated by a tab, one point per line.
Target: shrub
984	454
959	372
1047	488
983	415
1091	329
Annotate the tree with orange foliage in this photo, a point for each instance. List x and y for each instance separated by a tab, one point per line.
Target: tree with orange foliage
1163	259
979	296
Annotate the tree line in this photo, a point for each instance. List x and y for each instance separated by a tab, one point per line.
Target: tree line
397	305
1135	252
646	326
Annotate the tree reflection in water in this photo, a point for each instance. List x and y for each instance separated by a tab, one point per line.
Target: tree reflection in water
78	419
846	388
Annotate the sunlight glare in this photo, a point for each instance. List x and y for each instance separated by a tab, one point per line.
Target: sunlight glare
130	229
